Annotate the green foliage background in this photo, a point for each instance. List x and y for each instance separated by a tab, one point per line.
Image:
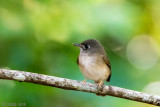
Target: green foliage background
37	36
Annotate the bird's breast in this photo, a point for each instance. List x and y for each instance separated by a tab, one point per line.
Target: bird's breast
93	67
87	61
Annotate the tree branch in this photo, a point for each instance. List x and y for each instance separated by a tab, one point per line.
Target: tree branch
78	86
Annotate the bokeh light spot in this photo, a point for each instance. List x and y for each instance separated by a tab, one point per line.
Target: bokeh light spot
153	88
143	52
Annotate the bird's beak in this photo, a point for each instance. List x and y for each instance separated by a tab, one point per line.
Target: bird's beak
78	45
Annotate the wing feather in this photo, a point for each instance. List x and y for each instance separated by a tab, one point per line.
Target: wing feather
78	61
105	59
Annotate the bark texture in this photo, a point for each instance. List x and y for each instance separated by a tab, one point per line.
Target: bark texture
78	86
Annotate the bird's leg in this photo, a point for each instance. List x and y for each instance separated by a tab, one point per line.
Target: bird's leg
100	87
84	81
100	84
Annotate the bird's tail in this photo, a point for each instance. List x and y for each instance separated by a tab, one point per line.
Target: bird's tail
108	79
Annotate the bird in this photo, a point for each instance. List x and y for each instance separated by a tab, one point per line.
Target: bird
93	62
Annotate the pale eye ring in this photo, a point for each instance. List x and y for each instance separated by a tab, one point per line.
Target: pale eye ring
87	46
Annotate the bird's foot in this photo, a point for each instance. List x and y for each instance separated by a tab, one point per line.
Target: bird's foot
84	81
100	85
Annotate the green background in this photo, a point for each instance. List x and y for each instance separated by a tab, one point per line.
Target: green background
37	36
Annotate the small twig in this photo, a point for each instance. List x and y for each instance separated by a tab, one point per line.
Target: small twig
78	86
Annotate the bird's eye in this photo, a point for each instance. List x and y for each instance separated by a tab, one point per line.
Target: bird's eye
86	46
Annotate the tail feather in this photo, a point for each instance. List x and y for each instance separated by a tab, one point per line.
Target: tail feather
108	79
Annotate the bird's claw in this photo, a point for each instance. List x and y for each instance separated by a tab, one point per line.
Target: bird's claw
84	81
100	85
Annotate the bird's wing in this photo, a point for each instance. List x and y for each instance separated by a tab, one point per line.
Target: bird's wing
105	59
78	61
